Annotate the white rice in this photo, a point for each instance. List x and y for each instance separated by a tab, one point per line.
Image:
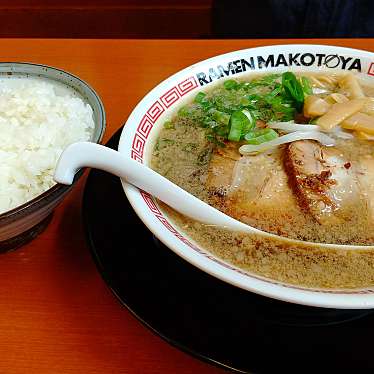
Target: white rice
38	119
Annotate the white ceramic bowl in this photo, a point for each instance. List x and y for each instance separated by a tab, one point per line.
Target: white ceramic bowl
143	125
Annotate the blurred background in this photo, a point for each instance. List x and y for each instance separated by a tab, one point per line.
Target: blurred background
106	18
186	18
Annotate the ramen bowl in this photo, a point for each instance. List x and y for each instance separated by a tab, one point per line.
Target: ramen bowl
159	105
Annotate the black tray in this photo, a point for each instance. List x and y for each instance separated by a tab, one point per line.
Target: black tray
206	317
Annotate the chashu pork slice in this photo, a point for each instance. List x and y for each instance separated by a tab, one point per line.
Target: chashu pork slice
251	189
221	168
325	183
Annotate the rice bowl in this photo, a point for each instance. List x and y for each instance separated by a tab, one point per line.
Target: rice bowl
42	110
38	119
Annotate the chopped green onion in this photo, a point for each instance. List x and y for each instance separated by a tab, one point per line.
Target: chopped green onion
307	88
238	122
244	101
220	117
248	126
231	84
287	110
293	89
207	122
231	113
200	97
184	112
169	125
254	97
260	136
221	131
273	94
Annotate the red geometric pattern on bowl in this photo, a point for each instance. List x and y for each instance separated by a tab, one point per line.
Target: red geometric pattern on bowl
188	243
166	100
187	85
138	144
155	111
151	203
170	97
136	156
167	224
371	69
145	127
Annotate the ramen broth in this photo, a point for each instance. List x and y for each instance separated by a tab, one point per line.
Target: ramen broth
297	263
278	191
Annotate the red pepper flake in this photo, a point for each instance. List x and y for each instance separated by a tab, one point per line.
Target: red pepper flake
347	165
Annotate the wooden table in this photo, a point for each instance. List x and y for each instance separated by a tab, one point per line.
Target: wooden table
56	313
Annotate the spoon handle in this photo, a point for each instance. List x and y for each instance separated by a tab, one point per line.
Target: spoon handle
85	154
